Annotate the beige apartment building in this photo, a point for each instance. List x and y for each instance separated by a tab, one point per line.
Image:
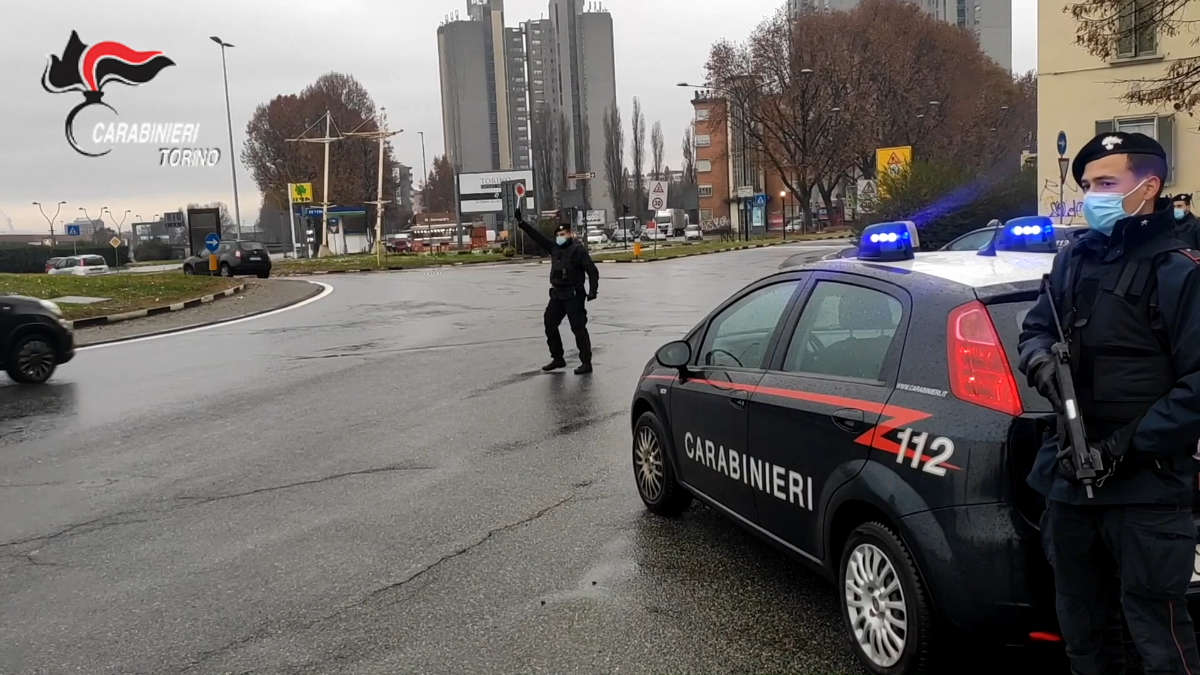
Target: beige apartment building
1081	95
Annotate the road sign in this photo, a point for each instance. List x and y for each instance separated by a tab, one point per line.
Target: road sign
658	195
302	193
582	175
114	242
760	200
519	190
72	230
212	241
745	191
1062	143
1063	164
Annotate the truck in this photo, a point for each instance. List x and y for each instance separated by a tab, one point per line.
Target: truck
671	221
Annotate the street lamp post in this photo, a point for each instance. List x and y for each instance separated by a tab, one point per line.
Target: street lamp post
49	220
424	170
783	207
237	211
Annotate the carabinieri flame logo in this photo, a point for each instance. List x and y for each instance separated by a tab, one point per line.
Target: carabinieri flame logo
87	69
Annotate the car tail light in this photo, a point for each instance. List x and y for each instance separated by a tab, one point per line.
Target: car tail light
237	253
979	370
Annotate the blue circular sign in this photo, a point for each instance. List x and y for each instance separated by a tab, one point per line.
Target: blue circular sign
1062	143
212	241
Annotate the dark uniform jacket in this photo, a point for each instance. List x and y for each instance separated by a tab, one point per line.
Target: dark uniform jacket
1188	231
570	264
1134	331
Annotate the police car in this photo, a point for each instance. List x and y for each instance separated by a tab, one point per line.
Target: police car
866	415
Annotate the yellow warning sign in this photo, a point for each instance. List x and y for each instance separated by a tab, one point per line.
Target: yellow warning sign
891	162
302	193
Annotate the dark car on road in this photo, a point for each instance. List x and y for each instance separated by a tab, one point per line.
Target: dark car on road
866	415
34	338
977	239
233	258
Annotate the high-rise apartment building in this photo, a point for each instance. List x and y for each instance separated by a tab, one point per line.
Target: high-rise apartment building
484	114
541	59
586	84
989	20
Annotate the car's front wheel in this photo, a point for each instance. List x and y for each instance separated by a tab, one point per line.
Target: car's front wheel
226	271
264	275
32	359
655	477
885	605
187	269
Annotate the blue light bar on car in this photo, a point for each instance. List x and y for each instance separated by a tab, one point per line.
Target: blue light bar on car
1034	234
886	242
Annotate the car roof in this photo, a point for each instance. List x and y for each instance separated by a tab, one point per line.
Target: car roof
962	268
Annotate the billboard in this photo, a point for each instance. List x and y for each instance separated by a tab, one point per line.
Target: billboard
201	223
480	192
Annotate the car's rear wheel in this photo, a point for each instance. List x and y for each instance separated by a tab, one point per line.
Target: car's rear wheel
652	471
884	603
32	359
225	270
264	275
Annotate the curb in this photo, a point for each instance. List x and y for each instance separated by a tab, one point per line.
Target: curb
317	289
139	313
688	255
395	268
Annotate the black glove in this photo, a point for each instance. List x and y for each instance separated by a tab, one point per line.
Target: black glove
1112	452
591	296
1043	378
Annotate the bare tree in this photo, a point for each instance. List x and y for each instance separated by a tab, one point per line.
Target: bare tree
638	154
1109	28
656	150
543	157
689	158
614	157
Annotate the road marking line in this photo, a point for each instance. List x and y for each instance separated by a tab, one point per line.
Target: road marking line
221	324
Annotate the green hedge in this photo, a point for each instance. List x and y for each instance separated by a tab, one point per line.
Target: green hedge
32	259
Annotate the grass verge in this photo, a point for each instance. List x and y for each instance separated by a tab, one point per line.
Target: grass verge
127	292
367	261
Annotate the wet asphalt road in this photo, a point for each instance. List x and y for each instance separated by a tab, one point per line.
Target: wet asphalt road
382	481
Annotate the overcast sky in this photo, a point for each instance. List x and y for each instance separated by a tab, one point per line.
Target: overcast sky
389	45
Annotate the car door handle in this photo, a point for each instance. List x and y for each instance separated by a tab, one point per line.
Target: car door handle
849	419
738	399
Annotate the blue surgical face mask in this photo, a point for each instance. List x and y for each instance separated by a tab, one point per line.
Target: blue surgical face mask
1180	214
1102	210
560	240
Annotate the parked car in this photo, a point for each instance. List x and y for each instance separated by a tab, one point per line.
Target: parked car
595	235
653	232
398	245
977	239
80	266
34	338
693	233
50	263
233	258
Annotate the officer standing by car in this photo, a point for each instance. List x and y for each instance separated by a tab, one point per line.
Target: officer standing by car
1129	293
569	265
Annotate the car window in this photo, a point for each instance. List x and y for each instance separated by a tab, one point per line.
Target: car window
252	246
72	262
93	261
971	242
845	331
738	336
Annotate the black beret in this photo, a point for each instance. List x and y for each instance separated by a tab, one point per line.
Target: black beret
1182	197
1115	143
562	227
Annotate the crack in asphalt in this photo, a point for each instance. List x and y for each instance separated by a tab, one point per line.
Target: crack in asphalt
262	632
113	519
362	472
561	430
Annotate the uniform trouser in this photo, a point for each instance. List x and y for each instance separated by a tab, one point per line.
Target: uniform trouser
1135	559
576	313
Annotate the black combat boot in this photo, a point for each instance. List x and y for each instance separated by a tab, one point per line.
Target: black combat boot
554	365
584	368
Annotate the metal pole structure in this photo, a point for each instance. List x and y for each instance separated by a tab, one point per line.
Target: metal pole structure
50	220
380	133
424	168
292	221
237	211
324	251
457	213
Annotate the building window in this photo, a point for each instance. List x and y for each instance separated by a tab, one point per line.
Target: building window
703	140
703	166
706	216
702	114
704	191
1137	29
1161	129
